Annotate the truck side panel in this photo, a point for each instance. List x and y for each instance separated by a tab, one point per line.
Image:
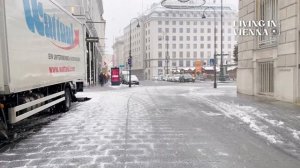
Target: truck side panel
2	48
45	45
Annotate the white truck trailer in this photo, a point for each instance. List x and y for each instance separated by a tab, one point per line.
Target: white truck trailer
41	58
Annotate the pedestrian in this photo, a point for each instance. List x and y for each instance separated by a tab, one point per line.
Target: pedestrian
101	79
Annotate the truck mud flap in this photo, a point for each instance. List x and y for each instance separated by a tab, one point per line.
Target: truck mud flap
3	125
12	112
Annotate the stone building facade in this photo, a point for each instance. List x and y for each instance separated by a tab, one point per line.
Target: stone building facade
170	40
269	64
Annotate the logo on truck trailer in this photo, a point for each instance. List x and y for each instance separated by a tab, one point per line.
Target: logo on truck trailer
49	26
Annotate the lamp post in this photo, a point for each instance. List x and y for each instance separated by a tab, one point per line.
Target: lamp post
167	56
166	39
215	42
222	78
130	56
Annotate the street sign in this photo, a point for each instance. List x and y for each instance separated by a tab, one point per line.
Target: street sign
212	62
121	66
92	39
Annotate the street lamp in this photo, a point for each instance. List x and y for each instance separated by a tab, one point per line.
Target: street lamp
130	56
215	42
222	78
185	5
166	40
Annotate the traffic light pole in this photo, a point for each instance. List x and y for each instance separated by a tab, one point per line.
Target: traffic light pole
130	58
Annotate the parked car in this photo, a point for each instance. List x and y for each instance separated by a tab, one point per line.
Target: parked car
134	80
154	78
186	78
200	78
171	78
177	78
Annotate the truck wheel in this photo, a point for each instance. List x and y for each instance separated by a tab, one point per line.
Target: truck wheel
68	100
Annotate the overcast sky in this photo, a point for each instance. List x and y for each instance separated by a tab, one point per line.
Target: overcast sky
118	14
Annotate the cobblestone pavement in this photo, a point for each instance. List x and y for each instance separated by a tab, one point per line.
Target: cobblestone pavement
178	126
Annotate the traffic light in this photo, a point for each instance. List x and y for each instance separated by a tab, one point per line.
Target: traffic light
212	61
130	61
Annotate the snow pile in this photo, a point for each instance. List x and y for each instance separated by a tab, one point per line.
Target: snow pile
244	113
257	120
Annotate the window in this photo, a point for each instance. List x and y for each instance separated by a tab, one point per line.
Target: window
181	46
195	38
181	30
202	54
188	63
181	22
202	38
229	38
167	38
188	54
160	38
173	22
181	63
167	30
159	54
209	54
181	38
195	46
202	30
195	54
208	45
160	71
209	23
174	38
202	46
159	63
159	30
167	22
195	23
188	30
229	31
174	30
188	46
174	63
208	30
181	54
188	23
174	46
268	10
195	30
174	54
208	38
159	22
266	77
188	38
159	46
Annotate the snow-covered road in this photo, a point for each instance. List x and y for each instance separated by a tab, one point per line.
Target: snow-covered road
162	125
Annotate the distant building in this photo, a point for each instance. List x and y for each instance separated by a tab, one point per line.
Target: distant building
172	39
119	54
89	12
269	64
